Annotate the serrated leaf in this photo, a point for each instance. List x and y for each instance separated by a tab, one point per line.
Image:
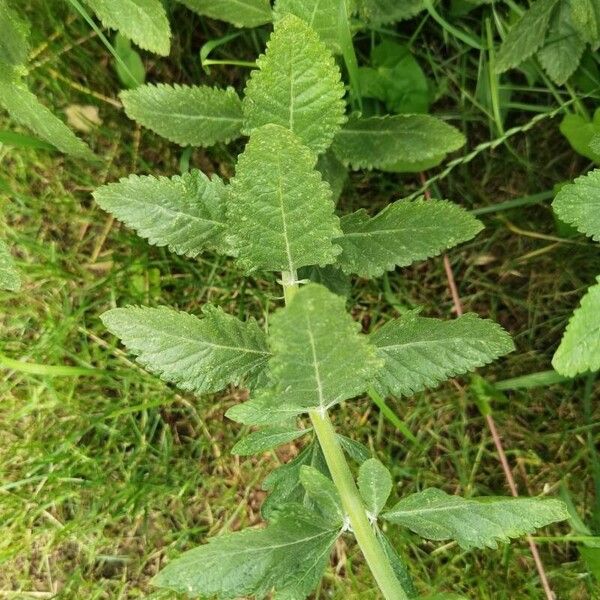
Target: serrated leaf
381	12
579	350
292	552
241	13
185	213
186	115
297	85
14	34
526	36
578	204
321	490
398	565
143	21
266	439
9	276
420	352
402	233
473	523
585	17
381	142
26	110
279	198
374	484
580	132
199	355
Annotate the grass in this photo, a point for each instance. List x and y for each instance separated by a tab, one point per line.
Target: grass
107	473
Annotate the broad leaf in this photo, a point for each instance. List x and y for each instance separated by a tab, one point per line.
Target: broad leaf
381	12
266	439
187	115
332	277
241	13
292	552
580	133
14	34
268	407
585	17
375	485
199	355
578	204
142	21
381	142
525	36
185	213
398	565
473	523
402	233
278	198
321	490
9	276
297	85
579	350
420	352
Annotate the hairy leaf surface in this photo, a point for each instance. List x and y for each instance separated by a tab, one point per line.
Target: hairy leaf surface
241	13
322	491
297	85
374	484
473	523
14	34
186	115
420	352
399	566
9	276
199	355
185	213
266	439
381	12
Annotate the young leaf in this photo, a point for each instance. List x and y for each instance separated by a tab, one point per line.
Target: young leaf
321	490
266	439
333	172
374	484
130	67
473	523
420	352
319	358
241	13
382	12
355	450
580	133
297	85
277	197
291	552
380	142
402	233
142	21
579	350
185	213
14	34
9	276
578	204
399	566
199	355
525	36
186	115
268	407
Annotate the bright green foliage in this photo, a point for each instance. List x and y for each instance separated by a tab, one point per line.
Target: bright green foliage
130	67
585	17
321	490
289	555
143	21
279	198
14	34
187	115
267	407
185	213
241	13
473	523
9	276
580	133
380	142
265	439
399	566
297	85
578	204
402	233
579	350
319	358
420	352
199	355
375	485
380	12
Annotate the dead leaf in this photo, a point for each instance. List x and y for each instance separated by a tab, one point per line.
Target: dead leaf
83	117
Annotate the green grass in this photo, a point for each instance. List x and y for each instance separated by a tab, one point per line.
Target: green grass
106	475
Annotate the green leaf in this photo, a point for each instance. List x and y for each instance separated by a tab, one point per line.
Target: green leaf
321	490
142	21
591	557
579	350
266	408
319	358
14	36
185	213
333	278
266	439
473	523
580	133
186	115
398	565
381	12
380	142
585	17
9	276
563	47
278	197
199	355
26	110
241	13
578	204
420	352
297	85
525	36
402	233
333	172
355	450
292	552
130	68
375	485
